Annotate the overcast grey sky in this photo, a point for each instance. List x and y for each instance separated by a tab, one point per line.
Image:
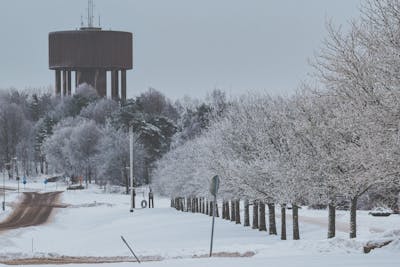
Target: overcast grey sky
181	47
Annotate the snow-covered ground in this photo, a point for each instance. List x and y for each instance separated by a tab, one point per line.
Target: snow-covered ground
94	221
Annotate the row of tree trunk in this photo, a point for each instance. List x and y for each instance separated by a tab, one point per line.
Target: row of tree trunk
231	211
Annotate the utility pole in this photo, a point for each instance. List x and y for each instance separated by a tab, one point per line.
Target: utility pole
131	168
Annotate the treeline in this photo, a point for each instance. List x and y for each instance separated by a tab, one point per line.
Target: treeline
335	141
87	136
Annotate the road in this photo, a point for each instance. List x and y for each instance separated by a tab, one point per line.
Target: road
34	209
2	189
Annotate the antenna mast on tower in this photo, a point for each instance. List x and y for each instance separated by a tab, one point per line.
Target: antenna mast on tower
90	13
90	18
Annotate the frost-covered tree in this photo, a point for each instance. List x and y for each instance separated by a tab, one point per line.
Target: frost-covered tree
83	147
112	160
100	111
13	128
359	68
73	147
55	147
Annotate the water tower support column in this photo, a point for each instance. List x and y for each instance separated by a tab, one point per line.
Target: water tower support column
58	83
114	84
69	82
64	87
123	85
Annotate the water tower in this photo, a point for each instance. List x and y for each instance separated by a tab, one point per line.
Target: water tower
90	53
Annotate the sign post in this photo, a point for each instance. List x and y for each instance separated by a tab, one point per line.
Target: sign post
24	182
214	186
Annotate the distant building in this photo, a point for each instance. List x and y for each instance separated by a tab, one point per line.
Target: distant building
89	53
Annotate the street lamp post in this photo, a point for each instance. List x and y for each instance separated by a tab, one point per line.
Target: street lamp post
131	168
4	190
4	186
15	167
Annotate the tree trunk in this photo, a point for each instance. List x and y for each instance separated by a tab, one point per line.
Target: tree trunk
296	230
211	208
224	209
283	222
246	213
228	217
41	167
125	177
255	215
395	205
227	210
233	216
197	205
262	225
353	217
271	217
331	220
237	212
216	209
206	204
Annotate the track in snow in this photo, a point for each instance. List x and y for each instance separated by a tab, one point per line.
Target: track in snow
35	209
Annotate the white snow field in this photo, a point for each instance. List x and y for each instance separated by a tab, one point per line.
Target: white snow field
94	221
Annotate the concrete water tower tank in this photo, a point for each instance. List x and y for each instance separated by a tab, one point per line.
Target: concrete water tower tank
91	52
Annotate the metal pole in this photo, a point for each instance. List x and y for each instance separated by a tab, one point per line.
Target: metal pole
126	243
213	221
131	167
4	189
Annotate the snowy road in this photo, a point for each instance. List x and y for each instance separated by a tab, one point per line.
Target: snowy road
34	209
7	189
